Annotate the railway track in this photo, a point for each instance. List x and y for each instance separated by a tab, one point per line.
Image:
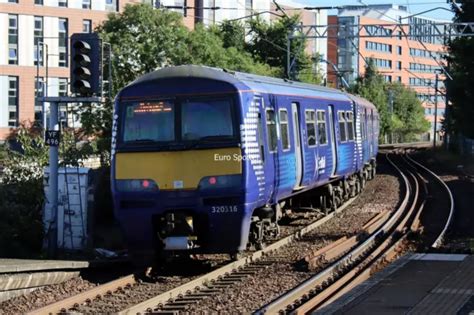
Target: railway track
351	260
365	258
192	290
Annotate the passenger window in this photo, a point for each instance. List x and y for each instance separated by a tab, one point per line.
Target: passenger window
322	127
362	126
350	126
310	118
271	131
284	130
260	137
342	126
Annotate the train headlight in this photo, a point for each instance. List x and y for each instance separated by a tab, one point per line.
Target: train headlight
131	185
223	181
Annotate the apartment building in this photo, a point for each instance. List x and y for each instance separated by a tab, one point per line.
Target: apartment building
413	61
230	10
34	42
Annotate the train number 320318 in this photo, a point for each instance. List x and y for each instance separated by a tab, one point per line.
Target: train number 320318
223	209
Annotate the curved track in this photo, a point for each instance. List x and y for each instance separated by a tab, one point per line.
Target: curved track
349	260
366	258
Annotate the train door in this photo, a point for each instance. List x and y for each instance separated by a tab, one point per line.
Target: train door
332	132
298	147
372	133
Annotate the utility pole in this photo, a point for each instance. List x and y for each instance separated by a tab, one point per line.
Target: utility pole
436	110
390	108
52	139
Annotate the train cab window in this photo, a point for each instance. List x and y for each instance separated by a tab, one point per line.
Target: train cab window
284	131
350	125
310	118
148	122
271	130
342	126
321	116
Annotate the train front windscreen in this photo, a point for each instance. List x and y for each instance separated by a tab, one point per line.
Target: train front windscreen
186	123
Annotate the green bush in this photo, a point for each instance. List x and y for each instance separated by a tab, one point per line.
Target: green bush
21	226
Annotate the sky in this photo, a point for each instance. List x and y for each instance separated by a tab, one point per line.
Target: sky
414	6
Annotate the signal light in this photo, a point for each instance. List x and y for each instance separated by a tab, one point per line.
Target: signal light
86	66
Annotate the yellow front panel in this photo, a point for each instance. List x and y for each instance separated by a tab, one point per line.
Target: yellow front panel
186	167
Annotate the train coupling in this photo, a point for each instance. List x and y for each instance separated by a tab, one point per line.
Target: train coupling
180	242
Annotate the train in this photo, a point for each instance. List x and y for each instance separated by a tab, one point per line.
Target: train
208	160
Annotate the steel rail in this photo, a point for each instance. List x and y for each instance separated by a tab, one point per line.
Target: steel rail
64	305
305	288
440	239
363	270
162	299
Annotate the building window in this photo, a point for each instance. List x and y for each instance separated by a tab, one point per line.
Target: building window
63	109
86	26
13	39
62	3
284	130
322	136
12	101
310	117
382	63
86	4
12	1
38	40
39	92
400	50
378	47
399	79
62	42
248	7
388	78
399	65
39	2
62	87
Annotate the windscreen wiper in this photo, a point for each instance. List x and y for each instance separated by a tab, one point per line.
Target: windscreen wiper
216	137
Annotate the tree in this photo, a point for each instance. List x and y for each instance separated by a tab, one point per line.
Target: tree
232	34
144	39
460	88
268	44
371	86
408	119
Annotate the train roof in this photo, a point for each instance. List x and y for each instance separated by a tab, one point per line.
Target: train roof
254	82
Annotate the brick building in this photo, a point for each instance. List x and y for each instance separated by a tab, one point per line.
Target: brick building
45	25
411	61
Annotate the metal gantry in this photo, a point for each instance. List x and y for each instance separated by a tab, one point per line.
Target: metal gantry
414	31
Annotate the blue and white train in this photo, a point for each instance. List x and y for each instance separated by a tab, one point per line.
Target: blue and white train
206	160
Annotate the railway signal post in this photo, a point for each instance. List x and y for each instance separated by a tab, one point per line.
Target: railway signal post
87	85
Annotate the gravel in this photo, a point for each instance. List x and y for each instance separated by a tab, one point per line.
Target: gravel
380	194
249	295
45	295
